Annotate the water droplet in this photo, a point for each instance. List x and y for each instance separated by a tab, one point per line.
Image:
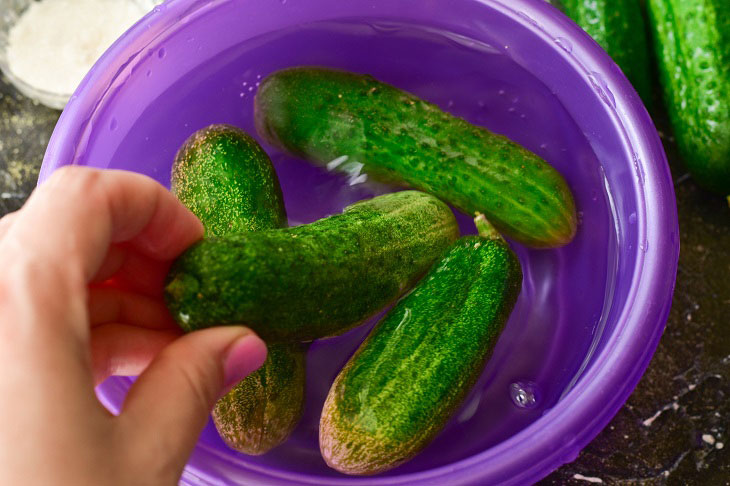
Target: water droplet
644	246
113	124
523	116
162	53
632	218
511	109
638	169
524	394
594	195
258	76
528	18
250	89
245	83
148	73
564	44
601	88
543	146
450	103
241	94
501	92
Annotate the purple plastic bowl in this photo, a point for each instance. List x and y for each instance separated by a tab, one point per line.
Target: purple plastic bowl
590	314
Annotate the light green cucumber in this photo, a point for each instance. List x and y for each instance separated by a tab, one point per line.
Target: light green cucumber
692	42
337	118
227	180
418	364
314	280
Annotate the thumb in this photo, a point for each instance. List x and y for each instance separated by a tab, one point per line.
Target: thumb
167	407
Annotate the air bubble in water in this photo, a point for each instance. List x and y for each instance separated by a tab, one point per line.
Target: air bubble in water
162	53
632	218
524	394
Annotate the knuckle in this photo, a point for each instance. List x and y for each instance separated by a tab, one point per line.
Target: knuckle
76	180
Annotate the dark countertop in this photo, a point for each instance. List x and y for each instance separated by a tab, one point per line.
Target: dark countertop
674	428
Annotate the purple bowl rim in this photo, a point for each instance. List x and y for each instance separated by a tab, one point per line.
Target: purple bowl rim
531	453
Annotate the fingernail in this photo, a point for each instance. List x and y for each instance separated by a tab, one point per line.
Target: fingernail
245	355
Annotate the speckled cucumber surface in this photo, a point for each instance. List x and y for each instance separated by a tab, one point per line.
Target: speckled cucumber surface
619	27
418	364
329	117
227	180
314	280
692	42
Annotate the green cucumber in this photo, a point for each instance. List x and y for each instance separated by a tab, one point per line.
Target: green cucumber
692	41
227	180
339	118
418	364
261	411
224	176
617	26
314	280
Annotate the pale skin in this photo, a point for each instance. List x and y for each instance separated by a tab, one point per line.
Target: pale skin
83	264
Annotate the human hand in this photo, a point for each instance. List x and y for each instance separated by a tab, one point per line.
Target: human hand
83	263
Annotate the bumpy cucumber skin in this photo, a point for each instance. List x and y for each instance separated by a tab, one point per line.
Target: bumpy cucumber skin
224	176
262	410
692	41
314	280
227	180
323	114
618	26
418	364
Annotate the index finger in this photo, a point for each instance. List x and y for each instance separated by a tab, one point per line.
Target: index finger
79	212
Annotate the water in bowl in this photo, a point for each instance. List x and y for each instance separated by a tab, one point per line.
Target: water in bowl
555	324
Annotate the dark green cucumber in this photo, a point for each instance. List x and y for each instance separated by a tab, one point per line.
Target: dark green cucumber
335	117
418	364
228	181
618	26
225	178
314	280
692	41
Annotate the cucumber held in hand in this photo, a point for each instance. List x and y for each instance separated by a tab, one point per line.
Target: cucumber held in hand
314	280
329	116
419	363
227	180
692	39
618	26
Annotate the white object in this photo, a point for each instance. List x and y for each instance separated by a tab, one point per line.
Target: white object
54	43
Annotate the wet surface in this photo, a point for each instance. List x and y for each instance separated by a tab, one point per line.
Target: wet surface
674	428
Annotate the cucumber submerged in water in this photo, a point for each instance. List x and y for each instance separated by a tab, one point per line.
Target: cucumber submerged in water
618	26
314	280
418	364
692	42
224	176
325	115
227	180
